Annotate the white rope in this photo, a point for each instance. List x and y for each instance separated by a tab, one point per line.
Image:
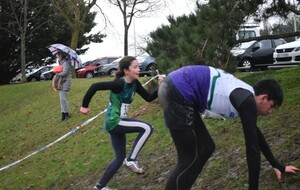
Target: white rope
66	135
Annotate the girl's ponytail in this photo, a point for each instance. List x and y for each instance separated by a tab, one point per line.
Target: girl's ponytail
119	74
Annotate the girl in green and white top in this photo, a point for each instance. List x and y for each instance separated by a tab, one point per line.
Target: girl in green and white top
122	91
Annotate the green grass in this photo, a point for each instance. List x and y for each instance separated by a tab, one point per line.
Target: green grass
30	119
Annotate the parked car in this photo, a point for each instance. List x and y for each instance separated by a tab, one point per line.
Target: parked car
90	68
287	54
87	71
35	75
146	63
48	75
18	77
256	54
103	62
109	69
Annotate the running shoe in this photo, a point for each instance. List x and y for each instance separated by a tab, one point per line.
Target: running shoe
133	165
98	187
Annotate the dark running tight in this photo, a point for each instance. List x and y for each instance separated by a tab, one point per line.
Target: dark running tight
194	147
118	140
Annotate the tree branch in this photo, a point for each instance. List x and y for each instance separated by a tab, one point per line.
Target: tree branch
15	14
39	11
9	31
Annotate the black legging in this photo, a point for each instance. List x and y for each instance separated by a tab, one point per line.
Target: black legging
118	140
194	147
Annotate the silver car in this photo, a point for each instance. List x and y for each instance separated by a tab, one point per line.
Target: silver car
109	69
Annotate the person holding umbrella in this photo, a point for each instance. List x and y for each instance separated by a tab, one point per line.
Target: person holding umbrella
65	80
67	57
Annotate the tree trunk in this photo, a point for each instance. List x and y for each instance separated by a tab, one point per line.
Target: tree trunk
74	43
23	30
125	40
23	57
75	36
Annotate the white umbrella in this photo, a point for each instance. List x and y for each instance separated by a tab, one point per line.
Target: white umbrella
72	55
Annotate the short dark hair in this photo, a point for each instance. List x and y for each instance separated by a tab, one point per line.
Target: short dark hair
270	87
124	63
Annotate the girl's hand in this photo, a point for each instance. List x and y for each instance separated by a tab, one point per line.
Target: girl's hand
161	78
85	110
288	169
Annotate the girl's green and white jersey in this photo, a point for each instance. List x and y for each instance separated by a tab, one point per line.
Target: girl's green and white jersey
119	105
121	95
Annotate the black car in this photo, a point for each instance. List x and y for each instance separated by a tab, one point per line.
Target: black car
35	75
256	54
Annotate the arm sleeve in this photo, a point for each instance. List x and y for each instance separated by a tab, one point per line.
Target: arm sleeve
237	97
144	94
66	69
248	114
115	86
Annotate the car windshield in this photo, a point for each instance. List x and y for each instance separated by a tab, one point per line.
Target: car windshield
141	58
116	61
87	63
36	69
245	45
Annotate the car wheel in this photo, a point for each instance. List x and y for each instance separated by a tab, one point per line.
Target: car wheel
246	64
112	71
150	68
89	75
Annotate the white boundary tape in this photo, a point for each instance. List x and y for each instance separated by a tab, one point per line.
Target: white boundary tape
66	135
57	140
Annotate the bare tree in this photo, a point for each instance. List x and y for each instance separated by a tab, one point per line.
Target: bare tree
21	26
135	8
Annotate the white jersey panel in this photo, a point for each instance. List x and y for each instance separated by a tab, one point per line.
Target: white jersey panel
221	85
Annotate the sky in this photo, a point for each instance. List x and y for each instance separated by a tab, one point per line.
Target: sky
141	27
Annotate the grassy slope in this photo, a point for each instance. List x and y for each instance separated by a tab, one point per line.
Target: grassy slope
30	119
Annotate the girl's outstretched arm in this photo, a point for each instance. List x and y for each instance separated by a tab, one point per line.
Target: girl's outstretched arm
144	94
116	86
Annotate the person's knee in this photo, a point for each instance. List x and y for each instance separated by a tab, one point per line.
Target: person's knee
148	129
187	158
207	150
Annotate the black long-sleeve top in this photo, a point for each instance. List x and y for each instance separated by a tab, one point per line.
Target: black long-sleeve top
116	86
244	102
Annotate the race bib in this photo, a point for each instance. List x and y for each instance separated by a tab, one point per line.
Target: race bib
124	110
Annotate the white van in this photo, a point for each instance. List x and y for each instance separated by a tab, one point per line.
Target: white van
248	31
